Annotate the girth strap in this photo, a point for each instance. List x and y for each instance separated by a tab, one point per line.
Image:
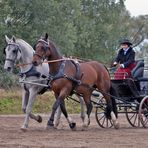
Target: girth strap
72	79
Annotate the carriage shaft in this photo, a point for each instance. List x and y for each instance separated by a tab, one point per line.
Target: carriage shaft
33	83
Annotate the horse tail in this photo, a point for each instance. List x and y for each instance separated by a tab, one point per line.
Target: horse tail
113	94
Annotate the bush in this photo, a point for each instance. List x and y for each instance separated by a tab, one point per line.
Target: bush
10	102
8	80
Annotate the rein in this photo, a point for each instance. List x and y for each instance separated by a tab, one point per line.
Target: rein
52	61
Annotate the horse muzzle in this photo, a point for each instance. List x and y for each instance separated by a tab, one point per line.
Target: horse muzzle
9	69
8	66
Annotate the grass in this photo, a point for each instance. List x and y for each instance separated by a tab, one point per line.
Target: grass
10	103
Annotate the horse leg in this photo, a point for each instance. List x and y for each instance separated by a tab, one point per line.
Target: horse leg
25	97
82	108
54	108
59	103
89	107
72	124
57	117
32	96
110	114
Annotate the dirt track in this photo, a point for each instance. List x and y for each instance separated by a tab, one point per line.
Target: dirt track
95	137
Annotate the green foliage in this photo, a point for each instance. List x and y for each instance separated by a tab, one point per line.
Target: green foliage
8	80
87	29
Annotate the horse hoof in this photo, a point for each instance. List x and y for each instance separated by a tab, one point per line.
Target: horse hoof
72	126
88	122
117	126
24	129
84	127
39	119
56	125
48	127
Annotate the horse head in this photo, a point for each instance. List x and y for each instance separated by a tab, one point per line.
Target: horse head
44	49
12	53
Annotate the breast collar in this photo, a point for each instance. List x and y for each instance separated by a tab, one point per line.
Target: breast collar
60	72
31	72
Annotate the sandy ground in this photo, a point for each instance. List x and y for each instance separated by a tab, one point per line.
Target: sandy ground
94	137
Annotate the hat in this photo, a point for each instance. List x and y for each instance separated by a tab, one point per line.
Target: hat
126	41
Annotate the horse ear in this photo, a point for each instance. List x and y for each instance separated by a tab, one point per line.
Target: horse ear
46	36
13	38
7	39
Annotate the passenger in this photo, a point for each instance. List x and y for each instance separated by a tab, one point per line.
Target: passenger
125	60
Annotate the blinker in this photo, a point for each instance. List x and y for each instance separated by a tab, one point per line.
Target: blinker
4	52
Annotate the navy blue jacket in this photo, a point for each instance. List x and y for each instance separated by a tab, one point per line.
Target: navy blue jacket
127	59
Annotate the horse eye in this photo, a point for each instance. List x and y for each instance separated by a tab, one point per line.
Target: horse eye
43	48
14	51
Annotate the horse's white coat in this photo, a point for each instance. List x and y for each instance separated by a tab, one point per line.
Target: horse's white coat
20	51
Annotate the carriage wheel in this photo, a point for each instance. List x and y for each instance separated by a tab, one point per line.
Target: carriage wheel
132	116
100	114
143	112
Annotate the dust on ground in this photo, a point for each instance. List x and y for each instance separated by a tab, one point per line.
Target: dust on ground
94	137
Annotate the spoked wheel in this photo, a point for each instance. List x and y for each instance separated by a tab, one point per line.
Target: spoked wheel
132	116
143	112
100	114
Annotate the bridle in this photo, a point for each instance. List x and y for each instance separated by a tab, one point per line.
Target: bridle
45	47
17	49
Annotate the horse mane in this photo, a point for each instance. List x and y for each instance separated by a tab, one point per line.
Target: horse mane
21	41
53	46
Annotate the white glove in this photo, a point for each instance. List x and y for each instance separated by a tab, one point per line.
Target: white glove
121	65
115	63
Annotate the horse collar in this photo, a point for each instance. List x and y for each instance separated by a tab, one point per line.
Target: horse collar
60	72
31	72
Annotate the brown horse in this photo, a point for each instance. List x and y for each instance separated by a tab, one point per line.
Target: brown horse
67	76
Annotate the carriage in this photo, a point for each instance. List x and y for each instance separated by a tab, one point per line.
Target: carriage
131	100
131	95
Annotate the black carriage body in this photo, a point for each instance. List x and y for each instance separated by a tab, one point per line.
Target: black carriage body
131	100
129	89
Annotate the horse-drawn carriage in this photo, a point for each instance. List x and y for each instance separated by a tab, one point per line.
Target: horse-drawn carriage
131	99
126	93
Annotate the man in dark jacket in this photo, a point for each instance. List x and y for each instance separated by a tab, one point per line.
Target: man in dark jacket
125	60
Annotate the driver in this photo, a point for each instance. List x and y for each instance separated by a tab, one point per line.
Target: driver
125	60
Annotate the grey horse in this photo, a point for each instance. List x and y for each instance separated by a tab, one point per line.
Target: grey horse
17	50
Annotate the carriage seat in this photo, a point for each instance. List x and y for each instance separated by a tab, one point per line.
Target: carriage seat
138	70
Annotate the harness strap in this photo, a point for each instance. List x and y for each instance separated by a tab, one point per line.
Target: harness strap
72	79
31	72
45	88
76	79
78	71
